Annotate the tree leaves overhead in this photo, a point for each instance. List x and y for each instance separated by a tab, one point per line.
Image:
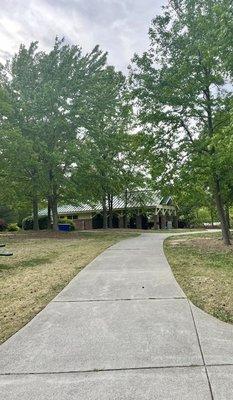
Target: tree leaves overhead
105	166
70	120
182	90
73	129
42	89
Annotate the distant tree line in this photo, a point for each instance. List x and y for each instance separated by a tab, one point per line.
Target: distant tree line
65	130
74	129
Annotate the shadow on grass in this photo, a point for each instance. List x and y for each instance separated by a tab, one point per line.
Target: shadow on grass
33	262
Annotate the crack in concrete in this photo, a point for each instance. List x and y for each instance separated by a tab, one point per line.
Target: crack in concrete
202	354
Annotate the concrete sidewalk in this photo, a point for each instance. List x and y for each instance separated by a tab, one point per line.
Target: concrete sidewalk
121	330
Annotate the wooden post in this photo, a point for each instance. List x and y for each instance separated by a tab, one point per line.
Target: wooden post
139	221
163	221
121	221
156	221
175	222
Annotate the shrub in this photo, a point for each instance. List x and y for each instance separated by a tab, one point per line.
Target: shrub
13	228
67	221
43	222
27	223
3	225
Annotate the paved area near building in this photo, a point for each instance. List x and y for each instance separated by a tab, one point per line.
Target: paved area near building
121	330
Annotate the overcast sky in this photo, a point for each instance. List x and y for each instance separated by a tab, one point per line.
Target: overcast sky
118	26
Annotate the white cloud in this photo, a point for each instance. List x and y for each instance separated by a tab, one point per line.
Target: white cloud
118	26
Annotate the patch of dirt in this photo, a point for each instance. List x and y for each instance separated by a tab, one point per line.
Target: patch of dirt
176	242
209	244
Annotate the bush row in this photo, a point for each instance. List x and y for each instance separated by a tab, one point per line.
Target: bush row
27	223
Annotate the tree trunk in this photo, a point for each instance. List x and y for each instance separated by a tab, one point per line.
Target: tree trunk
212	217
53	199
221	214
126	210
217	186
49	213
54	211
105	217
110	201
228	216
228	219
35	213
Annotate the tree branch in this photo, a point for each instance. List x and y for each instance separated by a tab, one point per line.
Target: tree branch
187	131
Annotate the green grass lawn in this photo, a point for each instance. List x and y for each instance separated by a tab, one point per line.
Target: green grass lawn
203	267
42	264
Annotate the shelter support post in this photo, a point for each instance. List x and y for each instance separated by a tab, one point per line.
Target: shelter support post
175	222
156	221
121	221
163	221
139	221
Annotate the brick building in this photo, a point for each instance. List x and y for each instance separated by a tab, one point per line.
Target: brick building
150	213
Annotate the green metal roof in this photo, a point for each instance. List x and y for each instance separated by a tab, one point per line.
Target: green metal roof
136	199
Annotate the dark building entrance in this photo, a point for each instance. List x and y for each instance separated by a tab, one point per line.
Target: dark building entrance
132	222
97	221
115	221
145	222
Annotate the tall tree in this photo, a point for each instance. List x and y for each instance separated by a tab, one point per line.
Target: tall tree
14	170
106	167
180	88
44	88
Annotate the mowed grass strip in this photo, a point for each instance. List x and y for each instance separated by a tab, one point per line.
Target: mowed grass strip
41	266
203	267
